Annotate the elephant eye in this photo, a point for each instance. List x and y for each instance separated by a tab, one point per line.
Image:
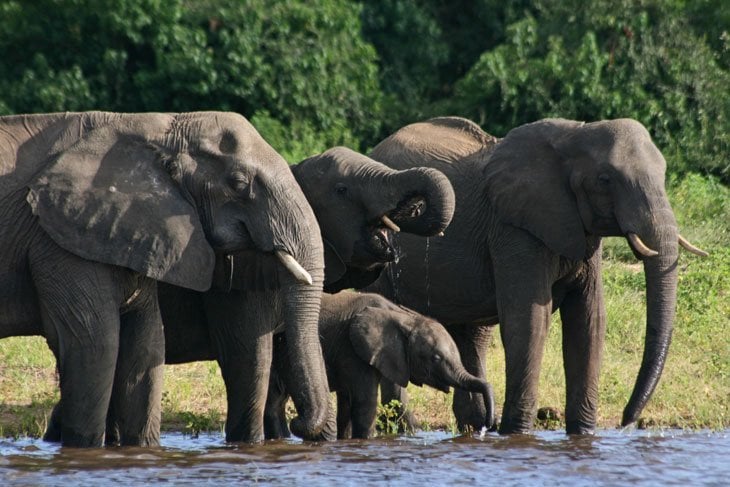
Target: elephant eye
340	189
240	182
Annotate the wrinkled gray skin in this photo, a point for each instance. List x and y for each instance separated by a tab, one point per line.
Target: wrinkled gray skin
349	194
365	337
525	240
96	207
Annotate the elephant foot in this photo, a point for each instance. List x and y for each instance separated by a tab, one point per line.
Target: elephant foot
577	427
327	433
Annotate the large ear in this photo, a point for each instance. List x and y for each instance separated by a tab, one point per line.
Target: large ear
334	266
381	343
108	198
529	188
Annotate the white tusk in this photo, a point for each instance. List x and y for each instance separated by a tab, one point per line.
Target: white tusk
389	223
691	248
640	246
294	267
440	234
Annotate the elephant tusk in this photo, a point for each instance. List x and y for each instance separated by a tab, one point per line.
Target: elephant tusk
389	223
440	234
640	246
691	248
291	264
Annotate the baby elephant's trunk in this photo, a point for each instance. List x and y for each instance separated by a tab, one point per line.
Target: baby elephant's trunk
474	384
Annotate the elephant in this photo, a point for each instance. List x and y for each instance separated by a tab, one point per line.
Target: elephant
365	337
358	204
525	241
98	207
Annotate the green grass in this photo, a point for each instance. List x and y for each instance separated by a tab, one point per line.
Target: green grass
694	391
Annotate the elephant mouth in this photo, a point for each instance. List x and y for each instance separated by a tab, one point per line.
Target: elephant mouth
380	243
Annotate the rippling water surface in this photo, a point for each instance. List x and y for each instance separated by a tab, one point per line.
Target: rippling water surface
612	457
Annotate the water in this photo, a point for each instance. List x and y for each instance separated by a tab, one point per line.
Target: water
613	457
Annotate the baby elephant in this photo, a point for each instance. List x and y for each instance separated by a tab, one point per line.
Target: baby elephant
365	337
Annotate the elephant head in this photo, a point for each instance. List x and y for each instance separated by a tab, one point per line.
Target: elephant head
360	203
563	180
408	347
155	193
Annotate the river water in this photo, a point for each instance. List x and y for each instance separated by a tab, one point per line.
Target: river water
612	457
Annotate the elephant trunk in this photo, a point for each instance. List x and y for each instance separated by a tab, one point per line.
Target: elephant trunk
419	200
308	385
426	201
297	243
660	272
474	384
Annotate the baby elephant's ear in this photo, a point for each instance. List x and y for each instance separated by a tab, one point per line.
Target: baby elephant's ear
108	198
378	340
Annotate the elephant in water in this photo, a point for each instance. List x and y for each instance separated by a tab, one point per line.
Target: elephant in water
525	240
359	205
96	207
365	337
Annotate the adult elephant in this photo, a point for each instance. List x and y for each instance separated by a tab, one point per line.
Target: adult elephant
359	205
96	207
525	240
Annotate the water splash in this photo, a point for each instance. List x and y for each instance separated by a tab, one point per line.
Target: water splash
394	271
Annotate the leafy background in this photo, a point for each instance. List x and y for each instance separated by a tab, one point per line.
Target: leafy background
325	72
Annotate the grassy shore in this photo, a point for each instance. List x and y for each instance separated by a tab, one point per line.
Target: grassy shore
694	391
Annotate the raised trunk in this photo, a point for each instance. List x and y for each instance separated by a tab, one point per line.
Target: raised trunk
424	203
661	290
419	200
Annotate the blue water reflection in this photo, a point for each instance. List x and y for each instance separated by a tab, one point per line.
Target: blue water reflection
612	457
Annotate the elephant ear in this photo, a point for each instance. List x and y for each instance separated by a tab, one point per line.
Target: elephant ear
108	198
528	186
334	265
378	340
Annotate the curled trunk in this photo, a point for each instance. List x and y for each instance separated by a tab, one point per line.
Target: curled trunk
425	203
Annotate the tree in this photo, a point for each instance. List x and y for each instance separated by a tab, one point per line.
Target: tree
296	63
609	59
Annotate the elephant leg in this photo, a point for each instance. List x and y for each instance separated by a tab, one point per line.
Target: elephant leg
53	430
390	391
524	301
364	406
583	316
344	415
470	408
246	375
275	424
135	410
81	322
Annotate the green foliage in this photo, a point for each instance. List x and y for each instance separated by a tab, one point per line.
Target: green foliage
300	140
297	61
607	59
389	419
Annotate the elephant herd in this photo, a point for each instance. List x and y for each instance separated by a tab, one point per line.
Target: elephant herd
112	225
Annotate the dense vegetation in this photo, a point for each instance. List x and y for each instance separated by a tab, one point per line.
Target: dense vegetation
323	72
